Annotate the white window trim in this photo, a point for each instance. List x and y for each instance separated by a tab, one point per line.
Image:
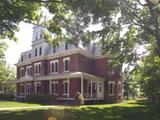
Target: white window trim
28	67
56	50
54	82
66	81
64	59
53	61
38	63
22	68
67	58
35	85
111	82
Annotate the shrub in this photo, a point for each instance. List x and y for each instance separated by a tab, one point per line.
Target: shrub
41	98
6	97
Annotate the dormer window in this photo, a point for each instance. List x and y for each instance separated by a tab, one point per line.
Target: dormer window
29	55
35	54
66	46
41	36
40	51
21	58
54	49
36	36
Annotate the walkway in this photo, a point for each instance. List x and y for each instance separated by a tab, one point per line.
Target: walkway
24	108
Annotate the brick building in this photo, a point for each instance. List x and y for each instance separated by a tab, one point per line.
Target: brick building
65	70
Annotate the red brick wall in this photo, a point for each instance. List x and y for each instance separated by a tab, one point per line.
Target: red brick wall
100	67
77	63
85	64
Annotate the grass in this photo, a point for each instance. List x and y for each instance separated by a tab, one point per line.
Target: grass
12	104
131	110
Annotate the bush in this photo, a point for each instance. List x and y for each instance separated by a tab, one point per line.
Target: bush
6	97
41	98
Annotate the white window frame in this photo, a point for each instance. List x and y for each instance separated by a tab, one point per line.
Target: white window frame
35	52
39	69
29	68
54	82
40	51
66	59
64	92
35	85
55	49
66	44
28	88
54	69
22	68
113	88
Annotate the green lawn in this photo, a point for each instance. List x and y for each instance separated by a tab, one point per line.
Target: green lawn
12	104
132	110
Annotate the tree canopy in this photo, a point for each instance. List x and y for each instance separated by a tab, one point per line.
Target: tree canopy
13	12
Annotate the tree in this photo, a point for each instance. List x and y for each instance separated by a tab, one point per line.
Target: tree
131	84
150	76
6	72
126	26
13	12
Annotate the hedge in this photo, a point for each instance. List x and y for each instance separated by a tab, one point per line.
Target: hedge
6	97
41	98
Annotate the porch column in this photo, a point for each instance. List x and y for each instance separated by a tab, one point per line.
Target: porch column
50	85
35	88
68	85
82	85
25	89
91	88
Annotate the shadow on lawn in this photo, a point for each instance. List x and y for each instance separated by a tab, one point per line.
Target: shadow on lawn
145	112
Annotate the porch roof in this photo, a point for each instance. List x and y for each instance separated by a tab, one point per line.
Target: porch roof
28	78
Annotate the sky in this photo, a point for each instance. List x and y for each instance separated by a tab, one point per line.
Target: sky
23	44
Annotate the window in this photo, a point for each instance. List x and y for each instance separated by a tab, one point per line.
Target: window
66	64
100	87
38	87
54	87
37	67
29	55
54	49
66	46
111	87
41	36
40	51
28	88
54	66
66	87
35	54
29	70
36	36
21	58
21	89
21	72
